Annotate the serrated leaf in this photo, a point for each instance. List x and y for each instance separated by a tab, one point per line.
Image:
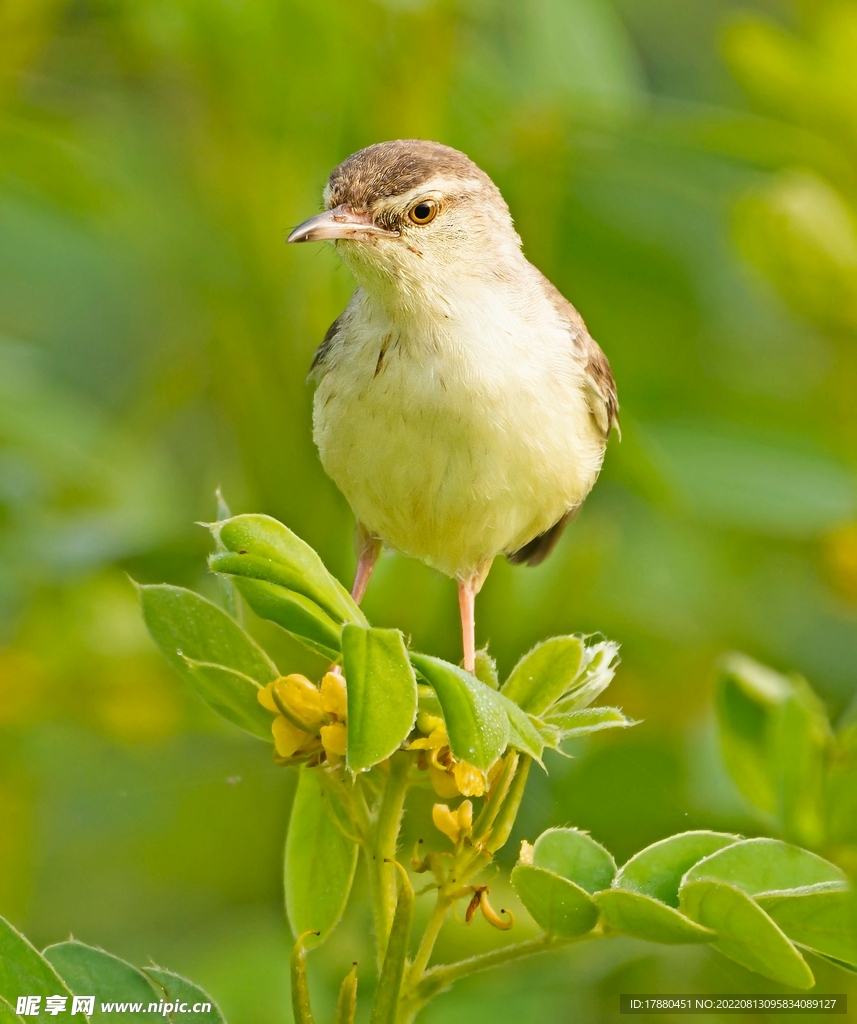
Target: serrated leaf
185	625
88	971
320	860
824	921
232	695
586	720
382	694
559	906
485	669
177	989
745	933
544	673
523	735
647	918
265	549
767	865
23	969
298	615
576	856
476	722
657	871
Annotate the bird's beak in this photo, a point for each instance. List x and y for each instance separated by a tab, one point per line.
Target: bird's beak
340	222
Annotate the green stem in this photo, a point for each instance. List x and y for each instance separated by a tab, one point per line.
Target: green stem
442	977
435	923
382	870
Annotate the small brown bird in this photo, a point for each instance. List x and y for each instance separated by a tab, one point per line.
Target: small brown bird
462	407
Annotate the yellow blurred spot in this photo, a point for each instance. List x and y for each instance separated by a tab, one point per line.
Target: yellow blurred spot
334	696
526	854
287	737
840	558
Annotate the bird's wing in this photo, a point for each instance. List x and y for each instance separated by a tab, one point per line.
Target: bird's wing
317	368
599	385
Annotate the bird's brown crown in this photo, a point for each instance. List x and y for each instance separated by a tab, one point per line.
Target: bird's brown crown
390	169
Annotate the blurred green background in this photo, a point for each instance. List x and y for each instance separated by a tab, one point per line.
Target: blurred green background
684	171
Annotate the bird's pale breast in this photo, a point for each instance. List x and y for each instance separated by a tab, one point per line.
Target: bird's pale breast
457	435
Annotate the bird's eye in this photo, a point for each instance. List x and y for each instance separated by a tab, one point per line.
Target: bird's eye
423	212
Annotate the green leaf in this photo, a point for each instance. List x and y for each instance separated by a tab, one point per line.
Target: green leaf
825	921
657	871
298	615
346	1004
596	673
774	735
545	673
476	721
767	865
557	905
575	856
386	1005
258	547
88	971
745	933
185	625
485	669
382	694
7	1013
320	860
587	720
23	969
232	695
647	918
523	735
177	989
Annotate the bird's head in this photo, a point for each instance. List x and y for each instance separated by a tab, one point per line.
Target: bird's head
410	213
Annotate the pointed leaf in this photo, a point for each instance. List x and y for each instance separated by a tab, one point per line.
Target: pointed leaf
88	971
576	856
596	673
767	865
263	549
559	906
657	871
185	625
320	860
485	669
745	933
476	722
23	969
297	614
544	674
523	735
382	694
232	695
646	918
587	720
177	989
824	921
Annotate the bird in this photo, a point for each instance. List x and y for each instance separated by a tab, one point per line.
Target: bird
461	405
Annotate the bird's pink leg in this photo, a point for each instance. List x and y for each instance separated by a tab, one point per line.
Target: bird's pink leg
367	555
467	591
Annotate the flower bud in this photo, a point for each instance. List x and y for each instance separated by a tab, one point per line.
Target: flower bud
446	821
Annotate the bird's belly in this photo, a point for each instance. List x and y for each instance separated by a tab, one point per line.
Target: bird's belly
450	468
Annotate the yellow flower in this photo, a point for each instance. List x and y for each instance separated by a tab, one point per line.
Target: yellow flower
453	824
334	738
295	696
469	780
287	737
334	697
